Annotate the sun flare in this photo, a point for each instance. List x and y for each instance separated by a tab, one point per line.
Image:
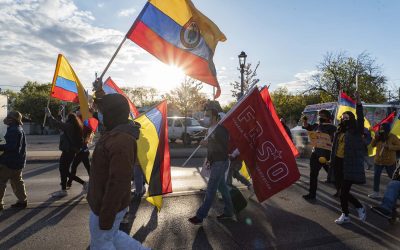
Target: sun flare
164	77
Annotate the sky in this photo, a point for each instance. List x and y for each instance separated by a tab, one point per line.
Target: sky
289	38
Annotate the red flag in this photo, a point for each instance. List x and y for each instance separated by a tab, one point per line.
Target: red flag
388	119
110	87
265	151
270	107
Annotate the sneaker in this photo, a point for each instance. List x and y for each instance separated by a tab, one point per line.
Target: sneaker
362	213
224	216
342	219
309	197
59	194
374	195
195	221
85	187
69	184
382	212
20	205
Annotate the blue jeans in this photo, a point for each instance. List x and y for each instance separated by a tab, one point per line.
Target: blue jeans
391	195
216	182
113	238
377	174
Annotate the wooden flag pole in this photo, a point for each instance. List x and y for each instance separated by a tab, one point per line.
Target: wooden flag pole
112	58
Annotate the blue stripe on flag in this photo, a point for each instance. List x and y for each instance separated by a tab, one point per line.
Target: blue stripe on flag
155	117
66	84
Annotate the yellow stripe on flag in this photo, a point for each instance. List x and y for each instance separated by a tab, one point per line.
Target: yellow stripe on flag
396	128
156	201
64	70
177	10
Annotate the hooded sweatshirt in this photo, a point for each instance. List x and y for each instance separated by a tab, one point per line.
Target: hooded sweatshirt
110	175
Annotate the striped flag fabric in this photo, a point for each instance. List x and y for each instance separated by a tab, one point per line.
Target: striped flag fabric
67	87
153	152
110	87
177	33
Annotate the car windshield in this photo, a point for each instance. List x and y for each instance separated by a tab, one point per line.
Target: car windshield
192	122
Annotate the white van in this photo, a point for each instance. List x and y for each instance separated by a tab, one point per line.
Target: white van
373	112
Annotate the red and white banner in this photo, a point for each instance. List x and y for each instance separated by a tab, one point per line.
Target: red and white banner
262	146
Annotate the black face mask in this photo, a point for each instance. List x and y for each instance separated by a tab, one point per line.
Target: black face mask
346	123
323	120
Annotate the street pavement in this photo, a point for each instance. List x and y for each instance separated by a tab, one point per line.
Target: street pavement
285	221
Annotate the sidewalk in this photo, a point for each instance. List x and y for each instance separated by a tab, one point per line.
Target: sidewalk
42	148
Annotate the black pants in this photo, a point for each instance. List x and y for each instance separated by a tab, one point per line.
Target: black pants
65	162
234	172
82	156
346	197
338	173
315	167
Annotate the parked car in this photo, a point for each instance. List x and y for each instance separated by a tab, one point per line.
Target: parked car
176	130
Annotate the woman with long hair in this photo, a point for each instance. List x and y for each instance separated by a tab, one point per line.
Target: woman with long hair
71	140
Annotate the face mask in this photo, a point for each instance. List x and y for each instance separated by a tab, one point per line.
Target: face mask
322	120
346	123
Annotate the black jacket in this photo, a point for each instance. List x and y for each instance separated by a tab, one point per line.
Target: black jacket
70	141
217	146
354	151
326	128
14	155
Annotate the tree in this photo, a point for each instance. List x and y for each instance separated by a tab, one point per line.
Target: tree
228	107
290	106
339	71
141	96
249	79
187	98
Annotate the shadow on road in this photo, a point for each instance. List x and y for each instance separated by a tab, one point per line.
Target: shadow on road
40	171
201	240
52	218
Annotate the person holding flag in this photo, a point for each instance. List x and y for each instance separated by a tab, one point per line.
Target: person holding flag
387	144
324	126
352	150
109	193
217	157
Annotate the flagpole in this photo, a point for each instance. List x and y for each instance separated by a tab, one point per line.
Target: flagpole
221	121
112	58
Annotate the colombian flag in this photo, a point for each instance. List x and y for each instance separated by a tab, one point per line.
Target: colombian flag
67	87
153	152
177	33
396	127
348	104
110	87
389	119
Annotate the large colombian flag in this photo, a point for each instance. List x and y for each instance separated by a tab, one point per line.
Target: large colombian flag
110	87
153	152
346	103
67	87
177	33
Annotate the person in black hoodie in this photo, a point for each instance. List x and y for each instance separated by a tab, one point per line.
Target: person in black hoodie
13	159
350	146
71	140
324	125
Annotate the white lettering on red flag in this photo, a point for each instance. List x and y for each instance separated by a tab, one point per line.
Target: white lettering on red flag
262	146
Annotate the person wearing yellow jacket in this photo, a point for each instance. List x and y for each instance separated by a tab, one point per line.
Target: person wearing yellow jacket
386	146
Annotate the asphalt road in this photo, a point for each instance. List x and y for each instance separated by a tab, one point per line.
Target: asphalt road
285	221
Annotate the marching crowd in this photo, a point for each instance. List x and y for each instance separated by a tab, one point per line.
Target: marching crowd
115	159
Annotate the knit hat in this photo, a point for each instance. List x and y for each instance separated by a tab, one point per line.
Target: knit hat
115	109
16	116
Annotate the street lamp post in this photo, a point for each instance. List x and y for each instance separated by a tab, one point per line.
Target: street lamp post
242	63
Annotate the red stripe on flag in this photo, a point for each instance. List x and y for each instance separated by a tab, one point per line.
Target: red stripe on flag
191	64
270	106
388	119
165	163
64	95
